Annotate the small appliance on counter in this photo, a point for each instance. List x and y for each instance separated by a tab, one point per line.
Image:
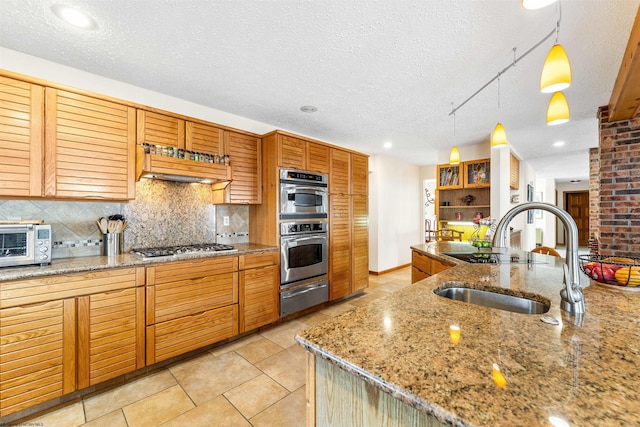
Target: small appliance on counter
25	242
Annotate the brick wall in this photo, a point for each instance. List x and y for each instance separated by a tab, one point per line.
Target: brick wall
615	194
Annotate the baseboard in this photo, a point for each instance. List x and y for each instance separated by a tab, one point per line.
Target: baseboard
400	267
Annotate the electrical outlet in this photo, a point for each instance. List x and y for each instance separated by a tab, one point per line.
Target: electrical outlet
225	220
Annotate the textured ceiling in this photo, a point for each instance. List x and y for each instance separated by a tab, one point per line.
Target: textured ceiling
377	71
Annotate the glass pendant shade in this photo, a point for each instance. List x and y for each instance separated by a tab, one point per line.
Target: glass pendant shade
454	156
536	4
498	136
558	111
556	72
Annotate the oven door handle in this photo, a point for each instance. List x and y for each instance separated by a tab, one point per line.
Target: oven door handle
304	290
295	189
303	239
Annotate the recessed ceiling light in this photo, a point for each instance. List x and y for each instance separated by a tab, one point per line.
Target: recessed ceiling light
308	109
558	143
387	145
74	16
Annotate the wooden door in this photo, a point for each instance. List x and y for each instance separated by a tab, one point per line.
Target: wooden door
203	138
38	347
360	242
317	157
259	288
577	204
291	152
110	335
21	138
245	152
340	172
160	129
359	174
89	147
339	246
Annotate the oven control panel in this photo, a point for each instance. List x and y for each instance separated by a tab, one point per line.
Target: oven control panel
289	228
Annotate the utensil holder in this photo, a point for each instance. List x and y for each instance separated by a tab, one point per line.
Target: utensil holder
112	244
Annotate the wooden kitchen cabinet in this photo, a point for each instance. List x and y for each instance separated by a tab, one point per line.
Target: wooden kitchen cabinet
203	138
190	304
89	147
472	193
110	335
245	152
423	266
64	332
38	347
302	154
160	129
259	290
348	224
22	136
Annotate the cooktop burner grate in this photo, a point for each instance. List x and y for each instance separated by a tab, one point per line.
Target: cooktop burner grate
182	250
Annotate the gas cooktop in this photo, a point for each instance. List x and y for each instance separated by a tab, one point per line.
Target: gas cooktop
180	251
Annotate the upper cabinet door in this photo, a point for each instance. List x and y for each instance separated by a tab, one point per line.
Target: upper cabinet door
477	174
359	174
203	138
160	129
89	147
317	157
340	172
291	152
246	168
449	176
21	138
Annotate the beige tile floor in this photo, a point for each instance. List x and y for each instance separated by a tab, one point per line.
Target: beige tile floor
256	381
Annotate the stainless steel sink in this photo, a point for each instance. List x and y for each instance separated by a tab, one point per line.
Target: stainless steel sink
494	300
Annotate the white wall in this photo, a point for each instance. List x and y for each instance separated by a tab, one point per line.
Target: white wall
395	212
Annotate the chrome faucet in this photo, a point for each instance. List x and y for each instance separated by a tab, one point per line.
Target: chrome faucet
571	298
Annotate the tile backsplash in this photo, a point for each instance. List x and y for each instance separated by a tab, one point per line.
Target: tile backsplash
163	213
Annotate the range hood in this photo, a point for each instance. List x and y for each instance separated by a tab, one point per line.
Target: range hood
153	166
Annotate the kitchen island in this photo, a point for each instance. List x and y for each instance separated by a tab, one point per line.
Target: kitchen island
415	358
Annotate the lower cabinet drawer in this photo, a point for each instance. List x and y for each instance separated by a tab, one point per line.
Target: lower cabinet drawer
179	336
417	275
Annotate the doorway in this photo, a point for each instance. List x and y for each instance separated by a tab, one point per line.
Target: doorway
577	205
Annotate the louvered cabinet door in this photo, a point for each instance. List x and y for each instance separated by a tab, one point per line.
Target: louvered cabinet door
203	138
360	243
110	335
259	303
340	168
160	129
359	174
245	152
89	147
339	247
21	138
37	354
318	156
291	152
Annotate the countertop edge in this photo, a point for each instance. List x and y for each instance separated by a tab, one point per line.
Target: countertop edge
438	412
95	263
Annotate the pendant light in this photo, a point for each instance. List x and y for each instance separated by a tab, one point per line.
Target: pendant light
558	110
535	4
499	135
454	156
556	72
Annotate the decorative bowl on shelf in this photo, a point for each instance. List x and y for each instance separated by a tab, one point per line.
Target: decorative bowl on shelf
612	270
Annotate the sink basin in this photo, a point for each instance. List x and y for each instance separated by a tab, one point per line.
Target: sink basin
494	300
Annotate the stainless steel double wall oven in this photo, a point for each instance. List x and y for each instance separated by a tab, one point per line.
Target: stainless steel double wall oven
304	254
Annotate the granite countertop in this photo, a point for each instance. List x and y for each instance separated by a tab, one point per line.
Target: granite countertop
80	264
585	370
